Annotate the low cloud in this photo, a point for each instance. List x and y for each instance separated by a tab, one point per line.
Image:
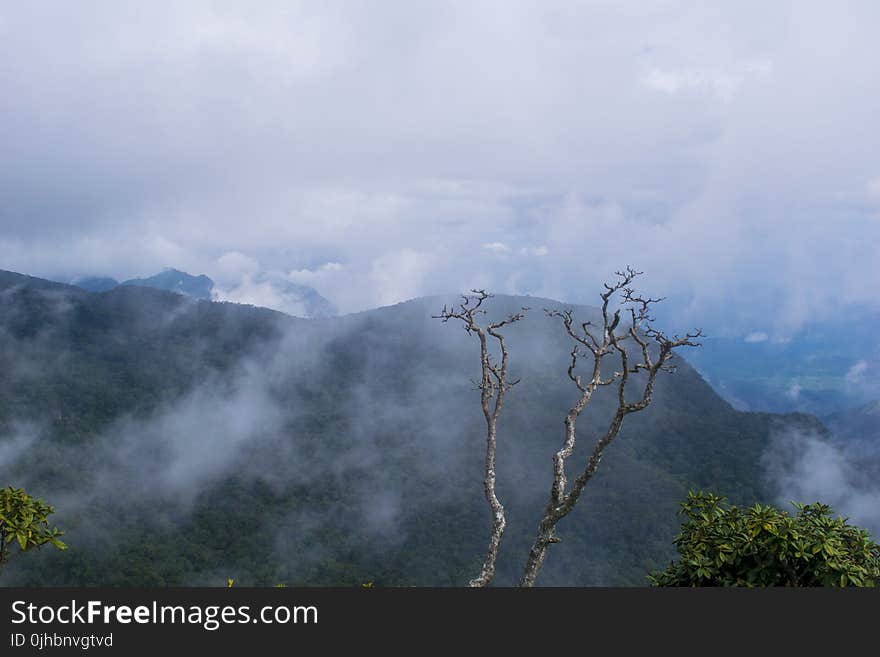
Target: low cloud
255	423
180	449
242	279
16	442
806	467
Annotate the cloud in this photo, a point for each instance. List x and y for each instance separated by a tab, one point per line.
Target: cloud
270	289
256	293
804	467
243	279
310	276
724	84
232	267
399	276
497	247
856	373
757	336
15	443
728	152
197	438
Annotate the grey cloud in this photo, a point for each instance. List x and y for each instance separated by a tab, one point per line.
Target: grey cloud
729	152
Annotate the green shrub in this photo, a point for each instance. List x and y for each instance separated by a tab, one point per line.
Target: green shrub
24	521
722	545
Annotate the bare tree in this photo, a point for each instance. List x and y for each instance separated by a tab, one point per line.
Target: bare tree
493	385
596	343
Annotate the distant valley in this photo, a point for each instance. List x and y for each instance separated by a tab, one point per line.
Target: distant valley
822	368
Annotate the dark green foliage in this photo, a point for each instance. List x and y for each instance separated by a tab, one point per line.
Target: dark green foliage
724	545
24	523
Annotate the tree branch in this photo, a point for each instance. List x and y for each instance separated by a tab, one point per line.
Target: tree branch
562	500
494	384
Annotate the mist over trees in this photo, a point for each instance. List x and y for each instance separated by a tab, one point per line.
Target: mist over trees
334	451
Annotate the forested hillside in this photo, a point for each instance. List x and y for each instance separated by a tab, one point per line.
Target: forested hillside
185	441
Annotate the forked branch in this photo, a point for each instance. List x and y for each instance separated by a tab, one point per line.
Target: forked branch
598	343
493	386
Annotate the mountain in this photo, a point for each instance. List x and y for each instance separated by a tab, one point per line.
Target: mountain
96	283
184	441
267	289
173	280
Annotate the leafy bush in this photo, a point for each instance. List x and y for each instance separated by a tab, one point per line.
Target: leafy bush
24	521
722	545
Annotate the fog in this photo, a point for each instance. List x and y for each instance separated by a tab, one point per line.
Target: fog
254	422
808	467
348	436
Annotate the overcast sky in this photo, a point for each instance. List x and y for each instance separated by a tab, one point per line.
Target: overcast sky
379	151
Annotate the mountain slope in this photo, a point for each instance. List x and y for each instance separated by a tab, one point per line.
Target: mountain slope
185	441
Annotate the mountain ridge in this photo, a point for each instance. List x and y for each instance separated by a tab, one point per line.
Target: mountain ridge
297	300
